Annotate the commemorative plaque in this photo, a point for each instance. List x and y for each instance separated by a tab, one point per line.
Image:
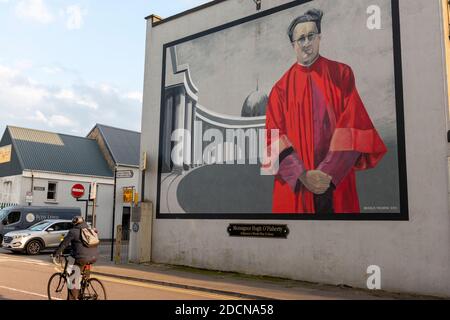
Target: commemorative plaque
259	230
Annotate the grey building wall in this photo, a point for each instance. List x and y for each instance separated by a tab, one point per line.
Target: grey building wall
414	256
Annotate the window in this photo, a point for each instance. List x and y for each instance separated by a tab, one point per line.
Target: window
62	226
68	226
3	214
51	193
40	226
14	217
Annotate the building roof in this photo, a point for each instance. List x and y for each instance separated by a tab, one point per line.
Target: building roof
124	145
52	152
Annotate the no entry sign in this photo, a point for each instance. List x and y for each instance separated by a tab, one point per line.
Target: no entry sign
77	191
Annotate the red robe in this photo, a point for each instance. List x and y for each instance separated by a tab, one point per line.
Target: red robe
290	110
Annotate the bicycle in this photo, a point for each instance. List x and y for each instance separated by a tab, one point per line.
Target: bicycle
90	289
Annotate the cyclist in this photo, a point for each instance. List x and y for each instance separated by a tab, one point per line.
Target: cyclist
82	254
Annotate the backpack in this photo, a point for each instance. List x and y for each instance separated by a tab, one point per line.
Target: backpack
89	237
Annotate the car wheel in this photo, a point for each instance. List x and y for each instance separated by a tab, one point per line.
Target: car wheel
33	247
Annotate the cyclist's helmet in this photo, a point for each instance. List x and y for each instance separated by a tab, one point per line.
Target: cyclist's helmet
77	220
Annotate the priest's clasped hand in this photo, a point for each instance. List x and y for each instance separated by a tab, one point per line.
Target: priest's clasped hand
316	181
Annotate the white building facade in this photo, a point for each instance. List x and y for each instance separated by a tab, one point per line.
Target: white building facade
43	167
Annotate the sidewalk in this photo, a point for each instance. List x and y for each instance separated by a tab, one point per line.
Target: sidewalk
237	285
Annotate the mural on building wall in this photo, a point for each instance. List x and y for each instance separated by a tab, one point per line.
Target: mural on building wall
292	113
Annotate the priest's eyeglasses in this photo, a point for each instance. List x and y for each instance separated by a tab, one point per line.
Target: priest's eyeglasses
302	40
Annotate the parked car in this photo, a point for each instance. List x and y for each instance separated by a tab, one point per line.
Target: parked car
46	234
22	217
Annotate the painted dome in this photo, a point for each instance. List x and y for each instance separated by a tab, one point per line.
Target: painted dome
255	105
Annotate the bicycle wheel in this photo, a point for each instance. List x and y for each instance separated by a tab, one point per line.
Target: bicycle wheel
57	287
94	290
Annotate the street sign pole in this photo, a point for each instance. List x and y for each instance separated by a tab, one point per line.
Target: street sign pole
114	214
87	205
93	214
93	197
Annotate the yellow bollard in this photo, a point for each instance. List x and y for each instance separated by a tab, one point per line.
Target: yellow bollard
118	245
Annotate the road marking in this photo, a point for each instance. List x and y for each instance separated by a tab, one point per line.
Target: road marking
166	288
127	282
16	258
29	261
27	292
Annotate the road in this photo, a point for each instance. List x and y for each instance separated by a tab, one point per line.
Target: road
25	278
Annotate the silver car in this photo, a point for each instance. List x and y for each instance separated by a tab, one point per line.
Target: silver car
46	234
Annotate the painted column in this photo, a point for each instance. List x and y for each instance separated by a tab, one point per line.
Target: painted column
167	134
198	142
188	134
194	106
180	115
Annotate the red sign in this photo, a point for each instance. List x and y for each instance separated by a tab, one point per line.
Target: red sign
77	191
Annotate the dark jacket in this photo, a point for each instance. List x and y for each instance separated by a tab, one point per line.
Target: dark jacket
81	253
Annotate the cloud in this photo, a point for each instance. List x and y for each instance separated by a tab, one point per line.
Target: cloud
23	64
134	95
75	17
69	96
73	108
38	116
52	121
34	10
16	87
51	70
37	11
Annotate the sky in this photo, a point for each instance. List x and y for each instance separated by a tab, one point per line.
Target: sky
66	65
